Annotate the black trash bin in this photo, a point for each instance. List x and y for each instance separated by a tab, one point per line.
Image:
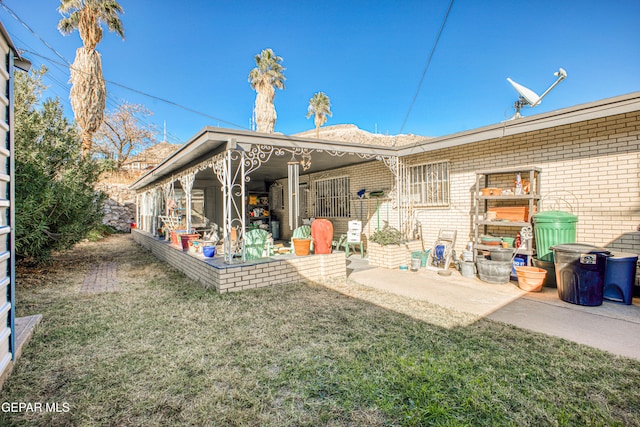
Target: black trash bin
580	272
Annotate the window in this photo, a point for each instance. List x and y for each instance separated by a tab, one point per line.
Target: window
429	184
276	197
332	197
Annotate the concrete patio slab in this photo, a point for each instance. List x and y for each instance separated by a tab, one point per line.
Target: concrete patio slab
613	327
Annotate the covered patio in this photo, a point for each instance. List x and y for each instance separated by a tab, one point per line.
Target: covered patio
207	183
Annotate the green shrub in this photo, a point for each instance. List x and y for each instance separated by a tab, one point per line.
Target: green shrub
100	231
387	236
56	203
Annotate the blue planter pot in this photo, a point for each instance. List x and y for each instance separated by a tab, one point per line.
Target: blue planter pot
209	251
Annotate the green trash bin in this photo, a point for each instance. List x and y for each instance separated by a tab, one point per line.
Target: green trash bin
553	228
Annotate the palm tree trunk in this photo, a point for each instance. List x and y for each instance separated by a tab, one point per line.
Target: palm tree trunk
264	109
318	122
88	93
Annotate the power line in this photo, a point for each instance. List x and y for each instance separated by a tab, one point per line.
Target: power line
424	73
111	101
25	25
175	104
68	65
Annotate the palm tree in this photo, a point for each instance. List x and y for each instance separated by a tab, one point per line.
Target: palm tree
88	91
264	79
320	108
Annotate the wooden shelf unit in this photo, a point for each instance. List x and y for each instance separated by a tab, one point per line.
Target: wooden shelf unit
498	177
266	219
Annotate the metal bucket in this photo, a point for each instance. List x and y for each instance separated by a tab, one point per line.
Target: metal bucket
467	269
494	271
415	264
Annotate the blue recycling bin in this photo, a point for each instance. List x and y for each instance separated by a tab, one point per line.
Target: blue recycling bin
620	276
580	272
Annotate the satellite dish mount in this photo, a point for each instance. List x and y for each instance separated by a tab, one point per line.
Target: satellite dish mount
529	97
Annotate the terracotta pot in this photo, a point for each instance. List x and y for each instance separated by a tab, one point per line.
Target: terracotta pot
301	246
530	279
186	240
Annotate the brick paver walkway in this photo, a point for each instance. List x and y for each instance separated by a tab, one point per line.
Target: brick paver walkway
102	277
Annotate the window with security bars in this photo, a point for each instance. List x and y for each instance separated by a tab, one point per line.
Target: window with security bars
429	184
332	197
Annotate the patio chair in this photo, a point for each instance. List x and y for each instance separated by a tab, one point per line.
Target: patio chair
255	243
441	252
169	223
337	244
344	244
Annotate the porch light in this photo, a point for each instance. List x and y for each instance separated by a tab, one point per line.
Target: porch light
305	162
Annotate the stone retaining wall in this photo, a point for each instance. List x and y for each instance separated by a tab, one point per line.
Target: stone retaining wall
120	206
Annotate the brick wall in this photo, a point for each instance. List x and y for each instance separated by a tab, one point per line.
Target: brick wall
372	176
597	161
214	274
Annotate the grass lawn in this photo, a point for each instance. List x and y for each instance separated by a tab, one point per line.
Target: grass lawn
163	351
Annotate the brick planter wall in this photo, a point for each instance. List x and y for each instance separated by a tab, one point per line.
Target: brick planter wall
214	273
391	256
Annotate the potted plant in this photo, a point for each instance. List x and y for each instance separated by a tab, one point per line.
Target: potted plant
301	245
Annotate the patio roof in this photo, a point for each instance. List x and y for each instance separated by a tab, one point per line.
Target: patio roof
325	155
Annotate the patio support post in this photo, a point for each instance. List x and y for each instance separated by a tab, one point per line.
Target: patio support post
226	188
166	190
402	203
398	169
157	211
143	201
293	179
186	182
233	187
138	200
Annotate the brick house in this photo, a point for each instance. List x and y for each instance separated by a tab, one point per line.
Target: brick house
590	152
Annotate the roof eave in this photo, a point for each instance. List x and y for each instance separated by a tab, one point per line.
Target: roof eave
589	111
210	139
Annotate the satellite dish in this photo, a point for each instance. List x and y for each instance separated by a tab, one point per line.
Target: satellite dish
529	97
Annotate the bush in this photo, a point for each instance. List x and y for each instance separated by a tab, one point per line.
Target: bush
101	231
56	204
387	236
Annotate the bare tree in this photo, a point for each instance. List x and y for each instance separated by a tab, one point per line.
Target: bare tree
123	133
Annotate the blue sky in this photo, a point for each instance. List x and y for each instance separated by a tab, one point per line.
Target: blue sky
367	56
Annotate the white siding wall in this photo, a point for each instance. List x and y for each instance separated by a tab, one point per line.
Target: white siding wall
6	210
